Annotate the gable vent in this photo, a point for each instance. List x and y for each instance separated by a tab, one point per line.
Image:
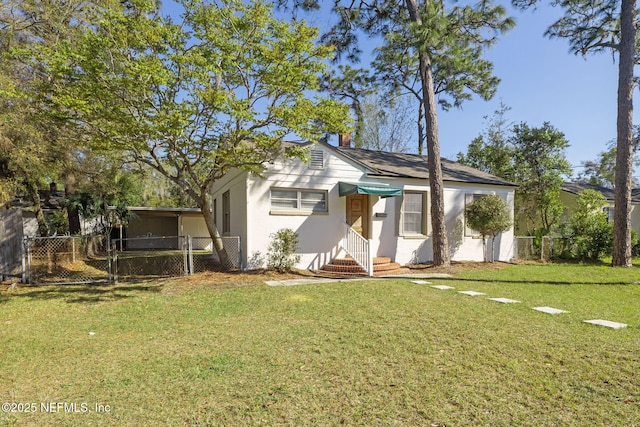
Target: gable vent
317	159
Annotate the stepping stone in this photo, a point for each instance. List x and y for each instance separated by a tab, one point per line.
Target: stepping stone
471	293
550	310
504	300
606	323
420	282
442	287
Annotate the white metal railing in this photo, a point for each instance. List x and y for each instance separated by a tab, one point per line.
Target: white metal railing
358	248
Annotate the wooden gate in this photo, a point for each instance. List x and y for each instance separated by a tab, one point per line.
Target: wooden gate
11	249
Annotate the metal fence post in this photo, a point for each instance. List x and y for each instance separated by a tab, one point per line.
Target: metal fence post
190	243
185	260
24	260
114	263
29	263
109	261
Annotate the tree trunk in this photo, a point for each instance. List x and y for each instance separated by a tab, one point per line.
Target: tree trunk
485	255
493	248
439	232
357	110
35	199
218	245
421	129
624	155
72	211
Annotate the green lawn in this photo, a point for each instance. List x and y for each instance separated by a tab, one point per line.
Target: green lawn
374	353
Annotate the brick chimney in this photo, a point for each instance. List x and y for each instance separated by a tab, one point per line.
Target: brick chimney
344	140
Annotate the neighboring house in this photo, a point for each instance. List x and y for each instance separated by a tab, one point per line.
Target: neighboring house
381	196
144	222
156	228
570	191
50	201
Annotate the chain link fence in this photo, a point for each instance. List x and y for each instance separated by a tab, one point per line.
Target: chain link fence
94	259
67	260
545	248
171	256
148	257
205	257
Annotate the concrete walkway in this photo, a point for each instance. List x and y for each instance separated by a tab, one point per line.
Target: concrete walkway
548	310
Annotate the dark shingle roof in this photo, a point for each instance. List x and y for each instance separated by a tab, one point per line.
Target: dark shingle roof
49	200
576	187
608	193
404	165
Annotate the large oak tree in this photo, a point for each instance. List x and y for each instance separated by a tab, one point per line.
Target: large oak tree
216	90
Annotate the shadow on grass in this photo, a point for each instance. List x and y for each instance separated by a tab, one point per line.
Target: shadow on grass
561	273
537	282
84	294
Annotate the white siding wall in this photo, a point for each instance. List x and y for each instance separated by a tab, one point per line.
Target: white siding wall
407	250
321	234
194	226
467	248
236	183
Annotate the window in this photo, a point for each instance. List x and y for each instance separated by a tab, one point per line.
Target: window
468	200
226	213
298	200
413	214
610	213
317	159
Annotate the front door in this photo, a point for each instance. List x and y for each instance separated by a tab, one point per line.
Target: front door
358	213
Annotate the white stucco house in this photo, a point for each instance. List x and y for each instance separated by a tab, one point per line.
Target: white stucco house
362	203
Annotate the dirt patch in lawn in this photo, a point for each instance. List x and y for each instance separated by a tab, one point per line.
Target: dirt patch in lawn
230	279
234	279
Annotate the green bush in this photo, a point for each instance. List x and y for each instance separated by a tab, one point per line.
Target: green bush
489	215
635	243
589	233
281	252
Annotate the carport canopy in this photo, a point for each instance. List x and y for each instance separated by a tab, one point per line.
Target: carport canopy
349	188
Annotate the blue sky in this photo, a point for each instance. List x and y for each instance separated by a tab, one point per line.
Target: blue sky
543	81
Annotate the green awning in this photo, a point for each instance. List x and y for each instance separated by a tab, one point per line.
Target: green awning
348	188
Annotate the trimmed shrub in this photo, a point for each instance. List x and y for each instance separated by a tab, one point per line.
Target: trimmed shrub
489	215
281	252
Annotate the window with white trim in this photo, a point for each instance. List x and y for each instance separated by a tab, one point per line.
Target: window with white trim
298	200
610	213
414	214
